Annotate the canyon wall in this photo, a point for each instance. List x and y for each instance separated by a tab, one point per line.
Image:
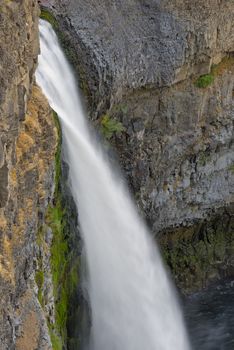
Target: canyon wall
158	80
28	142
165	70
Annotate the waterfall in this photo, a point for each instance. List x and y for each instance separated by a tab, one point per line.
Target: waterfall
132	301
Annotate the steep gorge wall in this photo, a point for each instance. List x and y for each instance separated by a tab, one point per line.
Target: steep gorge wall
141	64
28	142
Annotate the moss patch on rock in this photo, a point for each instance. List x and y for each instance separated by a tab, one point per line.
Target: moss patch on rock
39	278
59	260
200	254
64	267
218	69
55	340
47	16
204	81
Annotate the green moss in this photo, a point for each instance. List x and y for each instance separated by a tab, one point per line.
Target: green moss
231	168
39	278
218	69
195	254
203	158
55	340
59	251
59	263
63	268
61	311
204	81
58	154
47	16
110	126
59	248
40	236
73	276
124	109
55	219
227	63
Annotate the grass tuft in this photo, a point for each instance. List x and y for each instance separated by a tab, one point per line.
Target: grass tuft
217	69
204	81
55	340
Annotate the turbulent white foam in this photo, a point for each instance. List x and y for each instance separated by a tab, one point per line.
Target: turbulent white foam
132	301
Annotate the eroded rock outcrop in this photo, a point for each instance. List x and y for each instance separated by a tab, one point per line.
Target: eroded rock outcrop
142	62
132	44
27	151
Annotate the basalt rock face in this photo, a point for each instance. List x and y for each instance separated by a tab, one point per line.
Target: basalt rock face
139	44
141	61
28	141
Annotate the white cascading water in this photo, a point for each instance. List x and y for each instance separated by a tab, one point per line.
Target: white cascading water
132	301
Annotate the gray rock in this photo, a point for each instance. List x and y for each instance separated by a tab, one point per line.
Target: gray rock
177	150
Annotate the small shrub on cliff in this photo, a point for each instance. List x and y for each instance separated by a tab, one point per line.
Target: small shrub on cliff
110	126
204	81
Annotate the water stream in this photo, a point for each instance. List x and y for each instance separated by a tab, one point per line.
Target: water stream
133	303
210	317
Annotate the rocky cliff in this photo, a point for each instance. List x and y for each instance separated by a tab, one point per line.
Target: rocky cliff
164	69
28	142
158	77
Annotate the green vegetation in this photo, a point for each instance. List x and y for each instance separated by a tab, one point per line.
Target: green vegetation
194	254
204	81
217	69
226	64
59	266
39	278
59	246
124	109
58	154
55	219
47	16
110	126
55	340
203	158
231	168
40	237
64	266
64	272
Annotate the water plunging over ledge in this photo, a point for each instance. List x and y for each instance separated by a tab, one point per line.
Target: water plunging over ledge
132	300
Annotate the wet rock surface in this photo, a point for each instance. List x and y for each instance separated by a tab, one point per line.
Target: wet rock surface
201	253
139	63
132	44
142	65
